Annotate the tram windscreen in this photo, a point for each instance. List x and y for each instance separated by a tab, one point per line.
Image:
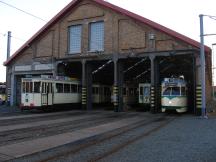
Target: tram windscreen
171	91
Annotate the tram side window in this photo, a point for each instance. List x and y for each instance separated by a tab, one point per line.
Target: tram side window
107	91
36	87
183	91
23	87
73	88
141	90
29	87
79	89
95	90
66	88
59	87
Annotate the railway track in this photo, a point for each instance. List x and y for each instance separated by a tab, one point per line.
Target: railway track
34	118
19	135
103	146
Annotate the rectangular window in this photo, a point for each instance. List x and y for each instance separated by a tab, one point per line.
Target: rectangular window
73	88
75	33
95	90
24	87
28	87
36	87
96	36
66	88
59	87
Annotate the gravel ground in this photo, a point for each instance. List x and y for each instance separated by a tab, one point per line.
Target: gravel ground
187	138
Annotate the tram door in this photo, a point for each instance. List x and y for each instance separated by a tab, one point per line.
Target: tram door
47	96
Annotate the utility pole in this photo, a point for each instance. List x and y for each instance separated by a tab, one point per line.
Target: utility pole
202	57
8	44
8	56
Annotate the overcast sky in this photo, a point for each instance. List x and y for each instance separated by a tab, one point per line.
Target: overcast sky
179	15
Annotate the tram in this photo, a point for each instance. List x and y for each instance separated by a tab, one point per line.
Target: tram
130	94
144	93
101	93
39	92
174	95
2	93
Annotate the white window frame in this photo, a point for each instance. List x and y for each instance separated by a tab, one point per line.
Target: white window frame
97	43
76	39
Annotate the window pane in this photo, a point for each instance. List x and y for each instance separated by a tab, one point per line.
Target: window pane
167	91
24	87
107	91
66	88
141	90
36	87
183	91
175	90
75	33
97	36
27	87
146	91
79	88
59	87
73	88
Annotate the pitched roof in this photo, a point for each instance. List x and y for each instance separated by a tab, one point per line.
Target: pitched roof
117	9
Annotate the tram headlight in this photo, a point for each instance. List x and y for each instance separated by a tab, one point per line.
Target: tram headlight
170	102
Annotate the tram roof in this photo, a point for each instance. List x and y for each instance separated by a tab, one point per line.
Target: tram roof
50	80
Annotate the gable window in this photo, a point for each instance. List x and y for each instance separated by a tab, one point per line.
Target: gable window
96	42
75	33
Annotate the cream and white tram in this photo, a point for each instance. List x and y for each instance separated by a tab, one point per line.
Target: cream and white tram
38	92
174	95
101	93
130	94
144	93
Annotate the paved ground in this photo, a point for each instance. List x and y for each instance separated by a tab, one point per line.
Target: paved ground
184	137
8	110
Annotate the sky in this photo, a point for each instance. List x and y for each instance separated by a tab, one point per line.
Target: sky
181	16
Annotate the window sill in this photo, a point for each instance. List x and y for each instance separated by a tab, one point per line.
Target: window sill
98	52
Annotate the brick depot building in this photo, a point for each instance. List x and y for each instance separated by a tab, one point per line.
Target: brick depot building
88	34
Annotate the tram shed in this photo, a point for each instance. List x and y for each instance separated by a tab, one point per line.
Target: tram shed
100	43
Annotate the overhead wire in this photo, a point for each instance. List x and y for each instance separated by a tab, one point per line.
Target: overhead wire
28	13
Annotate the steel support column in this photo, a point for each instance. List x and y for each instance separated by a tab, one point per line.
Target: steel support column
153	106
89	86
198	87
84	91
115	86
118	84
